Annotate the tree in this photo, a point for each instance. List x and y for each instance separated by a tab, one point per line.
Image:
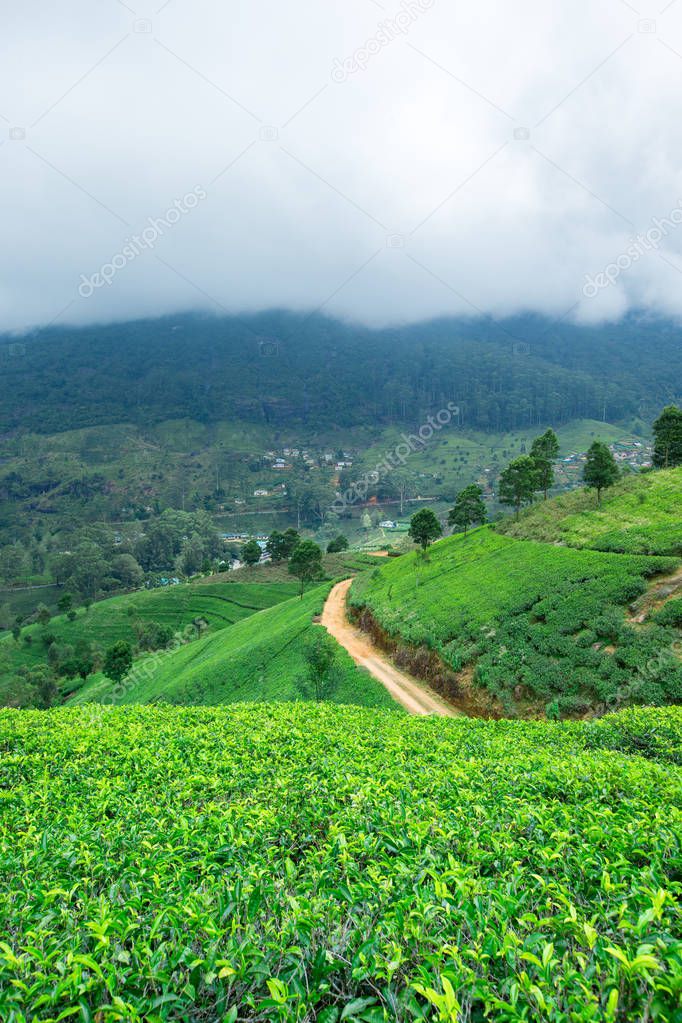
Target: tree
291	541
65	603
118	660
276	546
84	659
468	509
191	558
44	684
152	635
127	571
424	527
338	544
668	438
543	451
13	562
43	614
251	553
320	681
5	616
600	469
80	662
518	483
280	545
306	563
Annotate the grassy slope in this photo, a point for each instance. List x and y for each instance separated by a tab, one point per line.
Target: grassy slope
532	615
280	863
259	658
641	514
220	603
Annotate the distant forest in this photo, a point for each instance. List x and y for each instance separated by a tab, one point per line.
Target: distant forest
285	368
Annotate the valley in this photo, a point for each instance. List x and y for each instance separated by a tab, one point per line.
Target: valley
292	730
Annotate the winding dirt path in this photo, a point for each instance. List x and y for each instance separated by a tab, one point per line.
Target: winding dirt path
414	696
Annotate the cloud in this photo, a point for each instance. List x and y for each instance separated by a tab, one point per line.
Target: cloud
379	160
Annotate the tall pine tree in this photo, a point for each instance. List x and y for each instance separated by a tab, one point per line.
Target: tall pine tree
668	438
543	452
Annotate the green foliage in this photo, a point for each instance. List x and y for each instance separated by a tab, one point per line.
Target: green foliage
671	614
563	378
469	509
276	546
43	614
338	544
36	687
306	563
518	482
544	451
424	528
317	862
321	680
668	438
259	658
520	613
217	603
118	660
153	635
600	469
251	553
638	515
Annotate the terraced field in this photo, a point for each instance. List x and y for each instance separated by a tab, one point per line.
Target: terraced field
291	863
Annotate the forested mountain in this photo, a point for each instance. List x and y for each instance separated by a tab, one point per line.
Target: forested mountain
280	367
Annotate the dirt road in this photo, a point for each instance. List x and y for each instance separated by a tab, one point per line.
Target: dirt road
414	696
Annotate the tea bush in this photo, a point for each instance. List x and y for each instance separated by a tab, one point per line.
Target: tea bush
548	619
301	862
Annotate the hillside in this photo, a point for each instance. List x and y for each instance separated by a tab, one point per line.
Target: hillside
114	472
537	626
302	862
214	605
281	368
259	658
639	515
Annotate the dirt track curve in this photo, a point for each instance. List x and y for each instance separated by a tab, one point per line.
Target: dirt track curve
414	696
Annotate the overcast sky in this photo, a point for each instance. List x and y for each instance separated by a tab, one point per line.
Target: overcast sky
382	161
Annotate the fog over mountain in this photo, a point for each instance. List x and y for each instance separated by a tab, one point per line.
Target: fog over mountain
379	161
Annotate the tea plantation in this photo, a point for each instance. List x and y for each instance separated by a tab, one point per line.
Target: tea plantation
299	862
544	626
642	514
218	604
258	658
